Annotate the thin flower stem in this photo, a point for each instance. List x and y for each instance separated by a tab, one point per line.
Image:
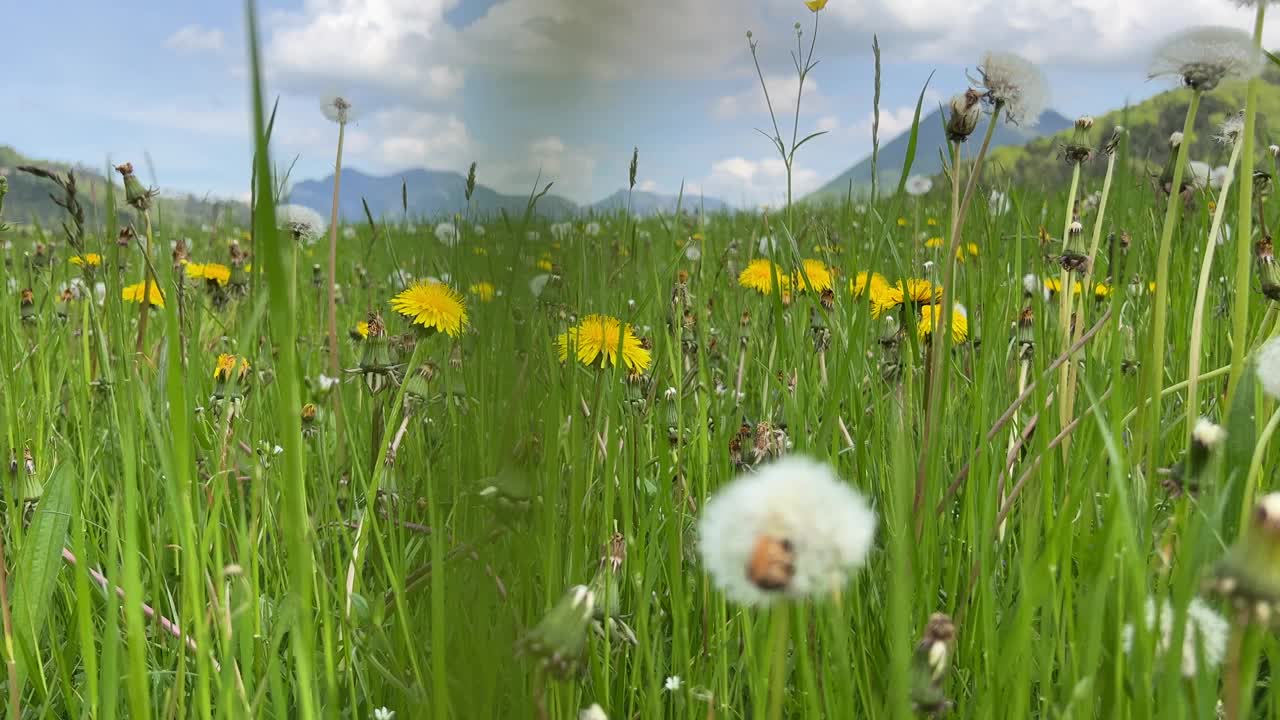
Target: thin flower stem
1197	314
1244	221
147	278
778	640
1066	297
1156	348
332	300
11	662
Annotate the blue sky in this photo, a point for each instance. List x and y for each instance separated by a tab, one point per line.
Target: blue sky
561	87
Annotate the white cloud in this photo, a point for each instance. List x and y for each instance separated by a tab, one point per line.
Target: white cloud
648	186
782	95
195	38
757	182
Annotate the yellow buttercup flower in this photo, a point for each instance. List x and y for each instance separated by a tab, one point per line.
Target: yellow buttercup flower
819	276
759	276
601	338
959	322
433	305
815	5
90	259
134	293
482	290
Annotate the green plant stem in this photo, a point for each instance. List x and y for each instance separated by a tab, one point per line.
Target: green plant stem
778	639
147	278
1156	348
332	302
1066	297
1202	289
1244	223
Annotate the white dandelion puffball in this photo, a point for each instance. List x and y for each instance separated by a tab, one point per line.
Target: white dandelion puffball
693	252
1031	283
348	233
998	203
478	230
1205	631
1017	84
595	712
337	109
447	234
1268	367
918	185
791	528
592	229
1205	56
1219	176
1200	173
561	230
306	224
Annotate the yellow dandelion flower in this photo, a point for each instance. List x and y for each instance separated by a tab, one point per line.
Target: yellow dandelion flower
860	282
759	276
195	271
213	272
933	242
90	259
601	338
884	298
134	293
921	291
959	322
972	249
482	290
481	251
361	330
226	365
433	305
931	222
1101	290
1151	286
544	264
819	275
902	222
815	5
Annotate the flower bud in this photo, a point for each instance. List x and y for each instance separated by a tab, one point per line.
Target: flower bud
1249	574
134	193
966	110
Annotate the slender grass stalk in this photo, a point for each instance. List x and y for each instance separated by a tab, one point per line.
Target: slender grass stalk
1202	290
1244	221
335	365
1156	348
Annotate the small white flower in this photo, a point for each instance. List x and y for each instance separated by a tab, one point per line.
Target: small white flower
1268	363
595	712
306	224
337	109
1205	631
631	303
592	229
383	713
791	528
276	450
693	252
918	185
1017	84
447	234
928	265
1205	56
673	683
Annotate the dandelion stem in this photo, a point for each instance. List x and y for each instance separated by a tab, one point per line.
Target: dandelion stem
1255	465
1066	299
778	639
147	278
332	301
1197	314
1156	348
1244	222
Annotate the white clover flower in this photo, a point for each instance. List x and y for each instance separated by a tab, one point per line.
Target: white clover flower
383	713
1205	56
1268	366
447	234
1016	84
592	229
693	252
538	283
1199	173
919	185
337	109
673	683
1205	631
305	224
791	528
595	712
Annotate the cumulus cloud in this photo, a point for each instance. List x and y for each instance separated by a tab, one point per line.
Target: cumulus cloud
782	95
761	182
195	38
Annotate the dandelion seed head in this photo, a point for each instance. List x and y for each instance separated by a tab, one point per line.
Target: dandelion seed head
1204	56
1205	630
1267	361
1208	433
447	234
1231	129
306	224
337	109
826	524
1199	173
1016	84
595	712
919	185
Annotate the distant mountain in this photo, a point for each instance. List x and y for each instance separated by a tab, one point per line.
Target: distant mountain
648	203
429	193
28	198
931	140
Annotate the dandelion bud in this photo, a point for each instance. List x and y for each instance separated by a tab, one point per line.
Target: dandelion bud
966	111
1084	122
1109	148
930	664
1175	140
1249	574
27	305
1268	273
1262	184
134	193
1075	257
1026	331
1274	150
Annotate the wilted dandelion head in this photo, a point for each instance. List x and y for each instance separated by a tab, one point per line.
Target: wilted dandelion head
601	339
1202	57
434	306
1015	84
789	529
337	109
1205	630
